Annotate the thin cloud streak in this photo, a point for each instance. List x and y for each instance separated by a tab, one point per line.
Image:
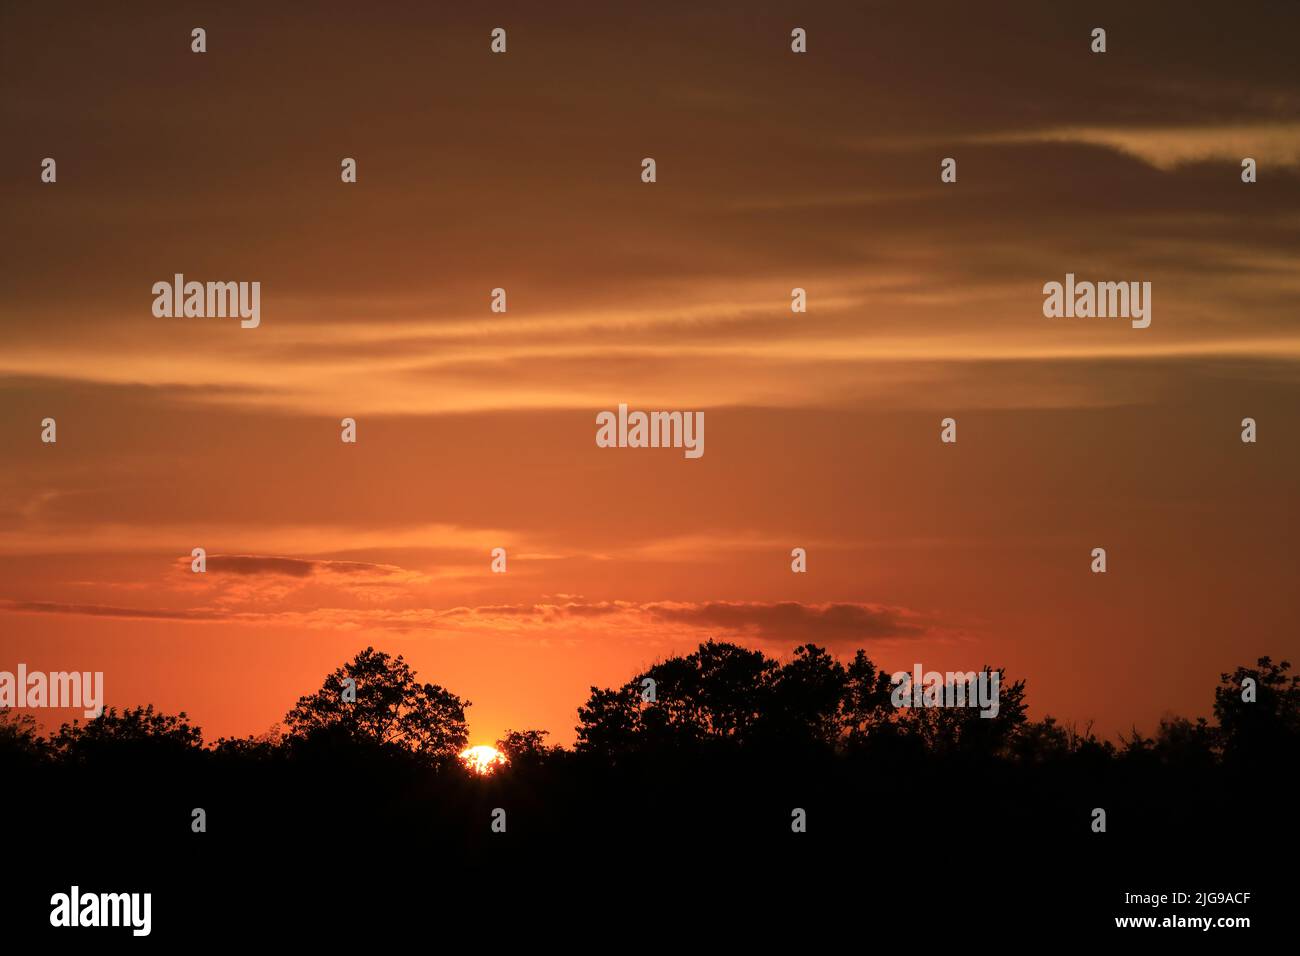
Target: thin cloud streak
830	623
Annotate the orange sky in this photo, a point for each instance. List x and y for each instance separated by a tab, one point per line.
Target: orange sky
476	430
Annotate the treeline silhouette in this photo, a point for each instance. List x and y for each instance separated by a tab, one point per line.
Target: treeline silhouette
702	774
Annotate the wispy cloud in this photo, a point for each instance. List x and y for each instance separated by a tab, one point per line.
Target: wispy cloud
259	564
1271	143
104	610
832	624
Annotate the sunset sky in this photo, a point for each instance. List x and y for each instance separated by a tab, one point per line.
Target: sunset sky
476	430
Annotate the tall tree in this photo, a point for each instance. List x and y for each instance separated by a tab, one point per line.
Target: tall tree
811	695
391	708
1262	723
718	693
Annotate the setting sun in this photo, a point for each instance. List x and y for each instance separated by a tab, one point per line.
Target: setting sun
482	759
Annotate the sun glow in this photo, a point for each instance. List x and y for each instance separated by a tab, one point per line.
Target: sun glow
482	759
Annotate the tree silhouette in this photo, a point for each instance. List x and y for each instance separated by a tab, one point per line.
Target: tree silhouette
809	700
526	748
391	709
1179	742
609	723
964	730
19	740
866	709
1041	742
135	733
1267	728
522	743
716	694
714	754
723	694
